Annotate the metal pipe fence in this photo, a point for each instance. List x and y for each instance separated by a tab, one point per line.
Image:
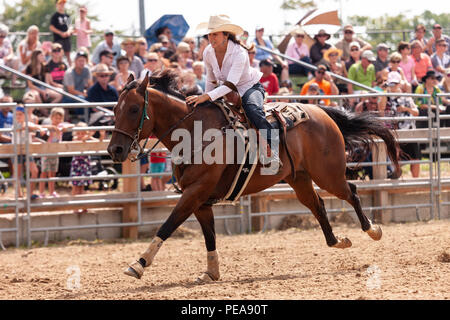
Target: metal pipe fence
434	181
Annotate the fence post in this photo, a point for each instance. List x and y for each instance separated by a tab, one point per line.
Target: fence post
130	212
380	172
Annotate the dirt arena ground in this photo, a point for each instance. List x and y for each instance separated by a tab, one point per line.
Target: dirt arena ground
412	261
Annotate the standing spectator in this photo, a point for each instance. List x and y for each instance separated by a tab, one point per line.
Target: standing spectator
83	29
123	73
198	68
382	58
110	44
407	64
349	37
268	80
437	34
402	107
141	49
50	164
81	165
259	40
324	81
299	51
7	55
55	68
136	65
36	69
27	46
319	47
420	35
422	62
335	65
362	72
101	91
355	55
59	26
152	65
394	66
440	59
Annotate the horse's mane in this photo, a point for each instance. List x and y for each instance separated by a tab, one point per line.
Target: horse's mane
166	81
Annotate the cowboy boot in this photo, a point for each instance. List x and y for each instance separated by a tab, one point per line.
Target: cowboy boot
136	268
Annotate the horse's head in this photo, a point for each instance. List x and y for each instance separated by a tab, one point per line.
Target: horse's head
130	114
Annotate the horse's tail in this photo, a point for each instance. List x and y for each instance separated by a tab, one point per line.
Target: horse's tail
359	132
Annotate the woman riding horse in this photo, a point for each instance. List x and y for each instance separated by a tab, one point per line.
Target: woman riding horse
226	60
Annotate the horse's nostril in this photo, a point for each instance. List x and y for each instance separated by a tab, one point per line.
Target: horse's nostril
118	150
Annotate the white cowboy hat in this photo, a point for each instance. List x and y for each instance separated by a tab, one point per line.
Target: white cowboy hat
222	23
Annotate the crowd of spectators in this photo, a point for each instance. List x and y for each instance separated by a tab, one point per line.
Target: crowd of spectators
98	74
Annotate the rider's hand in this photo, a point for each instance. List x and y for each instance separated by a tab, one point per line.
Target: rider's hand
197	99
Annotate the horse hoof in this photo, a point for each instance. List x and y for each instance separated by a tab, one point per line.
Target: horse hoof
206	278
343	243
375	232
135	270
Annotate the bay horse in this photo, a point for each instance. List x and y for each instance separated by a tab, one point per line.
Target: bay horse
154	106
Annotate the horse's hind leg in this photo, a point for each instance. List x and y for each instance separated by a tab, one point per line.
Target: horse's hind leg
306	194
205	217
374	231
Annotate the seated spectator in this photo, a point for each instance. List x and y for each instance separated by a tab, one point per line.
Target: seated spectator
287	84
324	81
268	80
198	68
299	51
184	50
107	58
429	86
437	34
110	44
335	65
283	92
420	35
101	91
362	72
153	65
141	49
254	63
83	29
178	60
355	55
172	46
319	47
136	65
407	64
394	62
382	61
259	40
444	85
7	56
46	48
189	85
440	59
204	42
193	55
314	90
422	62
36	69
6	121
27	46
244	37
164	41
55	68
349	37
123	73
62	31
368	104
159	49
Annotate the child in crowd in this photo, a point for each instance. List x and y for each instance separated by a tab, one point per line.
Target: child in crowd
157	165
50	164
80	165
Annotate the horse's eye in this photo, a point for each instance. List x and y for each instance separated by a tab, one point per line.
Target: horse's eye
134	109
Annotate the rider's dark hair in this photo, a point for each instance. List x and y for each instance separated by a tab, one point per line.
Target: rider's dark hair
232	38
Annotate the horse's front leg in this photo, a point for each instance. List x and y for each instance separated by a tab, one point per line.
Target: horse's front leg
193	197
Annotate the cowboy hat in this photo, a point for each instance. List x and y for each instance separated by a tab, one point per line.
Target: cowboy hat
222	23
298	31
101	68
322	32
330	51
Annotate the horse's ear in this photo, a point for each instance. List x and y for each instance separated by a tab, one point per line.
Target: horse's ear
130	78
143	86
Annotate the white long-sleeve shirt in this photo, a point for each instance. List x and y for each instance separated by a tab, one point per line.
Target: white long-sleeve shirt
235	69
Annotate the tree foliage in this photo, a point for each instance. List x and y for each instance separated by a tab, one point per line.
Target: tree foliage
393	29
298	4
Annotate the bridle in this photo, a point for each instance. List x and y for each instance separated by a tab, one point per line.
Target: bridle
135	144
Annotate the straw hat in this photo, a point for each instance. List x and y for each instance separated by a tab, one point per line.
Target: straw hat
331	50
222	23
101	68
298	31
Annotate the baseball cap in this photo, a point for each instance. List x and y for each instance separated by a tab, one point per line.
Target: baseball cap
266	62
20	108
259	27
382	46
348	27
368	55
108	32
81	54
355	44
